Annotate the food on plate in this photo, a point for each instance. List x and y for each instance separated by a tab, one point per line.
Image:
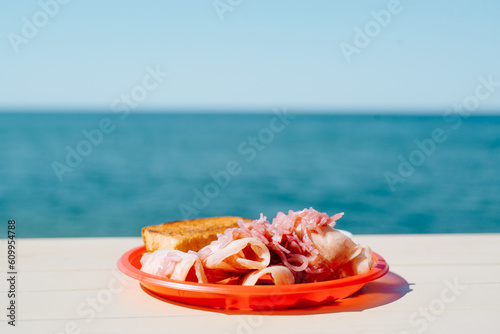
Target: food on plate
298	247
279	275
359	265
185	235
175	265
238	256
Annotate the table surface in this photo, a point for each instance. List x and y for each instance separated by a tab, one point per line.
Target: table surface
437	284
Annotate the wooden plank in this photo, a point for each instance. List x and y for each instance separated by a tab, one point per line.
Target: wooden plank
69	253
31	281
66	280
467	273
435	248
450	321
134	302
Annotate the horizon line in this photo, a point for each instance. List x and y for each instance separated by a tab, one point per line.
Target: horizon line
246	111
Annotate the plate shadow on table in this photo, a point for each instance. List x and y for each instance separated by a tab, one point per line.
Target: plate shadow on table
385	290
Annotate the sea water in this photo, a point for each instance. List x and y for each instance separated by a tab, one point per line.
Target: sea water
96	174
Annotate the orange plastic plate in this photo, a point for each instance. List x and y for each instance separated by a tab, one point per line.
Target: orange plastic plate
238	297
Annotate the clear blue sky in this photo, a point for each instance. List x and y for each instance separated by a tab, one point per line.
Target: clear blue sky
262	55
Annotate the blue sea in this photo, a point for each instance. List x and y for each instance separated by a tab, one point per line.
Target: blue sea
99	174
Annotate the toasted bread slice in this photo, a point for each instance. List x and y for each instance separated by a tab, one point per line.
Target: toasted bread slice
184	235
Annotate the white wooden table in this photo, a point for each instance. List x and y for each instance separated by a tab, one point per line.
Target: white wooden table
437	284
